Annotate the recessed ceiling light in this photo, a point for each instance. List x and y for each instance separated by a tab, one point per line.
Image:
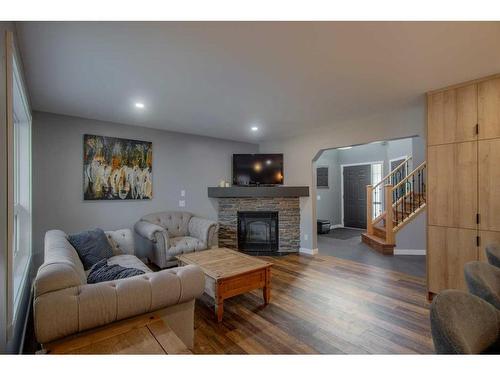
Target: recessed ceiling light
345	148
254	128
139	105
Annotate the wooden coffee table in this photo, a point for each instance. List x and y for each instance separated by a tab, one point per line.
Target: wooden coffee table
229	273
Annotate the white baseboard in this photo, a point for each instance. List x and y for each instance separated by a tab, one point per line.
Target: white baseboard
409	251
333	226
306	251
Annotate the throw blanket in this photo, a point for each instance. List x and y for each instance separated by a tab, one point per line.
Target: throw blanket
101	271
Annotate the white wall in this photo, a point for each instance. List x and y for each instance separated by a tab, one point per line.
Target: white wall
180	162
299	152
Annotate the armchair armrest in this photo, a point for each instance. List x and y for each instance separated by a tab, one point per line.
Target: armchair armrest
203	229
148	230
157	238
71	310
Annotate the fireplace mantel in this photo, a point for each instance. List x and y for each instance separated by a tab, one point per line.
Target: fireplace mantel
258	191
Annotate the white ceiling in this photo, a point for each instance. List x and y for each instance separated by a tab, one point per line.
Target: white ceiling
217	79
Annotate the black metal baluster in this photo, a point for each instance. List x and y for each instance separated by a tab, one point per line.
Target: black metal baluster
397	203
403	216
414	198
423	180
418	179
403	202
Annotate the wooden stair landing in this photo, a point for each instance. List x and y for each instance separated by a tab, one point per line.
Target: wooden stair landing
377	243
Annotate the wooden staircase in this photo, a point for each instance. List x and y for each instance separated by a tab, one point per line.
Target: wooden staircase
402	202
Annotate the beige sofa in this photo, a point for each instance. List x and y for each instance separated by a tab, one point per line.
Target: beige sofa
171	233
65	304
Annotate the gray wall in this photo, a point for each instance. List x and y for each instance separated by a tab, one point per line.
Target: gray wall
180	162
300	152
329	201
328	198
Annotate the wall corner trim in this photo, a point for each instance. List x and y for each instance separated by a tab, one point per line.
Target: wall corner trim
307	251
409	251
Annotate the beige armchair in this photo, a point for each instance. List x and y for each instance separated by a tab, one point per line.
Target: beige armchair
65	304
172	233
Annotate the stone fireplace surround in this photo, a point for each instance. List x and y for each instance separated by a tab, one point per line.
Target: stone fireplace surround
288	209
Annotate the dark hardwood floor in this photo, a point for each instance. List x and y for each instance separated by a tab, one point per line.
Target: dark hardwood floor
321	304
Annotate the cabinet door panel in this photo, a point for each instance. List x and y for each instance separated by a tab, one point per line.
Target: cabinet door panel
487	238
452	185
448	249
489	109
489	184
452	115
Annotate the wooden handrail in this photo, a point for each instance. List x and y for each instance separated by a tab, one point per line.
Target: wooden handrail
393	172
404	180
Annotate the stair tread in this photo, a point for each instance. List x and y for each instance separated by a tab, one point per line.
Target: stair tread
375	238
378	244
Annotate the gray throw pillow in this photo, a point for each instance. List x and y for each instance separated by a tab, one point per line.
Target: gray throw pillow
101	271
91	246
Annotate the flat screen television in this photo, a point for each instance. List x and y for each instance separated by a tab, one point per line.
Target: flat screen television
257	169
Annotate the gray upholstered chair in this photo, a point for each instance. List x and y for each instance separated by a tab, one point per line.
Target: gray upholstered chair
464	324
483	280
171	233
493	254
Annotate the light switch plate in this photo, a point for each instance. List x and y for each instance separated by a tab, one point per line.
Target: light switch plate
182	203
183	193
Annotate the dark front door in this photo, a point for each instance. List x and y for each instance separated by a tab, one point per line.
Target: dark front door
355	180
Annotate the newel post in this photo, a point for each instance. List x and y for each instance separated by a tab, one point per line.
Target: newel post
369	209
389	213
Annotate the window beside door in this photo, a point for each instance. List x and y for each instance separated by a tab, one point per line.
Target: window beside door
377	170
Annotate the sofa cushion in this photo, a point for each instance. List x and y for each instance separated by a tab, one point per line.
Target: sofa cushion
130	261
121	240
91	246
185	244
175	222
102	271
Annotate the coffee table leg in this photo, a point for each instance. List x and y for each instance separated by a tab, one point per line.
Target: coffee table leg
267	289
219	310
219	302
267	294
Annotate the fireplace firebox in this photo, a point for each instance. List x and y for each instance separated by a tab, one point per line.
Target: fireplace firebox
258	231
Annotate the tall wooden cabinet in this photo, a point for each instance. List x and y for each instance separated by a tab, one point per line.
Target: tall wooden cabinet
463	173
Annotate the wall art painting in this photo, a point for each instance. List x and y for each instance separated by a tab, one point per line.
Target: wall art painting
117	168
